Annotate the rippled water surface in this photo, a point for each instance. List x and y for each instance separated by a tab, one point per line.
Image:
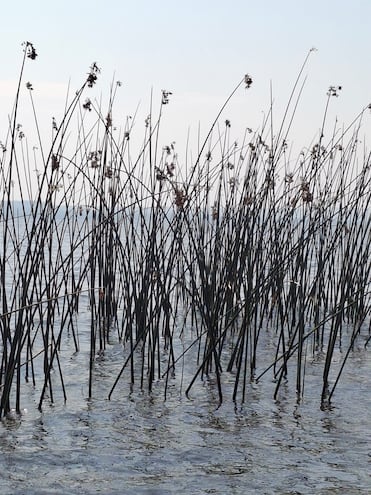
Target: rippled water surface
138	443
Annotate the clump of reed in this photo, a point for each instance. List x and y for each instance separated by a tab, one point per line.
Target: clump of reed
239	263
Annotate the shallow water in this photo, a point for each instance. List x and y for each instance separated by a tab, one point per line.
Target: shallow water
138	443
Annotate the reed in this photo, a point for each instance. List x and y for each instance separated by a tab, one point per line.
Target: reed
235	265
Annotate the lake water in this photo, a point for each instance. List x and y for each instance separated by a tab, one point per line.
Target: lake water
137	443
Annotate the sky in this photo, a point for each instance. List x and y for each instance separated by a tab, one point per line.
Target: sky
198	50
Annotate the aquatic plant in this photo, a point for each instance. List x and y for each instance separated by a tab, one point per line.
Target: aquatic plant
237	264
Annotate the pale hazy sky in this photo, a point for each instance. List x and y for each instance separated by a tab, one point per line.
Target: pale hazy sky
199	50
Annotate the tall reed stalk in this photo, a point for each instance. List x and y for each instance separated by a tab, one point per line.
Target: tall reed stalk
236	265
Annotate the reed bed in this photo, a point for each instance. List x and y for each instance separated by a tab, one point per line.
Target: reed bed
240	264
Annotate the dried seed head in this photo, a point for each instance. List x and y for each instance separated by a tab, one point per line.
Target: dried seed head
54	188
93	75
87	105
289	177
180	197
170	167
30	50
333	90
160	175
248	81
94	158
307	196
165	96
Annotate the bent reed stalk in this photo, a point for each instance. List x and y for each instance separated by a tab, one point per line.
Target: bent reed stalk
239	264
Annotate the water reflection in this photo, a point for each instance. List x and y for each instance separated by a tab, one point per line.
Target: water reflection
137	443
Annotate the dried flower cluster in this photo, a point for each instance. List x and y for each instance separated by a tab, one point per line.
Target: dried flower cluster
306	195
334	90
94	158
93	75
170	167
160	175
168	172
165	96
30	50
170	158
318	151
248	81
54	188
289	177
180	197
87	104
